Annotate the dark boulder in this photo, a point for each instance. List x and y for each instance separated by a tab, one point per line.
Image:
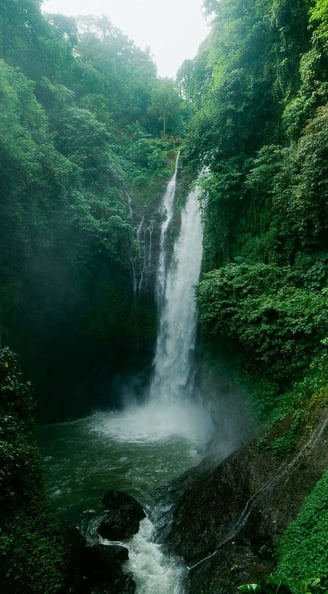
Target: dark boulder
122	519
123	585
102	563
102	570
75	544
123	502
118	525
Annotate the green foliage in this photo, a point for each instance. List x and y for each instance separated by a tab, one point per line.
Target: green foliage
121	75
319	15
286	443
269	587
149	164
78	147
249	588
300	193
258	88
32	555
27	40
302	551
166	106
311	586
222	191
260	307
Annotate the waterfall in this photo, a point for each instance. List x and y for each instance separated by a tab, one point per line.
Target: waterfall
173	361
145	255
167	211
171	405
142	263
141	447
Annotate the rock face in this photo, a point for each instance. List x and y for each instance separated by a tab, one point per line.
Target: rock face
103	572
123	516
229	517
97	569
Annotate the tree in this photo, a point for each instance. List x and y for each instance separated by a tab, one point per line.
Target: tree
122	73
166	105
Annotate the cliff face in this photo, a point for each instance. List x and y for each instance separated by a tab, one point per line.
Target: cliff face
229	517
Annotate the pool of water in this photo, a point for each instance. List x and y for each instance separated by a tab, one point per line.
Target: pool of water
135	451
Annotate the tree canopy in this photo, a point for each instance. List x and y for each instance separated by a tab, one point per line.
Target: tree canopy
79	136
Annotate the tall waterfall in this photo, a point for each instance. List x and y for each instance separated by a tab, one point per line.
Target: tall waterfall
171	406
167	211
172	377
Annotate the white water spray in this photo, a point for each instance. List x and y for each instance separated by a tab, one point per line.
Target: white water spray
171	408
154	572
172	380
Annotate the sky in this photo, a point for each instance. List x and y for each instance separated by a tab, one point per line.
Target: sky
171	29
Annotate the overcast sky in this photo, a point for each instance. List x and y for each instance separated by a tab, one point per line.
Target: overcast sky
172	29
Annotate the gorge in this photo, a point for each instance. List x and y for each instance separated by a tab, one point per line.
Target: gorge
143	446
173	324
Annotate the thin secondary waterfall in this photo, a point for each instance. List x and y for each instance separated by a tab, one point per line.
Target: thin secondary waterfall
145	255
172	378
143	262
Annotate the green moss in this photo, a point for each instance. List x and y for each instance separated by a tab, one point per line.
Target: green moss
31	550
302	552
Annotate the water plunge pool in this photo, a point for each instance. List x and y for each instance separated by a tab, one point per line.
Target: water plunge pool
135	451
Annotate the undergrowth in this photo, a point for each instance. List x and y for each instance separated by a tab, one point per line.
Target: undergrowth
32	552
302	553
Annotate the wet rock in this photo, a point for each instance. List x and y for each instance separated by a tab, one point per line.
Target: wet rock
74	545
117	525
122	519
103	563
228	517
124	502
123	585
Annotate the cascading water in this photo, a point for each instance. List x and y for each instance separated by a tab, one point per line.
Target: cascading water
171	407
144	255
167	211
140	448
178	313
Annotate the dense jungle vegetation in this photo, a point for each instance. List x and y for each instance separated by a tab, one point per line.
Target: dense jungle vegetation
81	129
260	83
85	125
258	89
87	129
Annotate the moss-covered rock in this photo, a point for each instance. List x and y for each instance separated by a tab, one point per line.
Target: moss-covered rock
229	517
